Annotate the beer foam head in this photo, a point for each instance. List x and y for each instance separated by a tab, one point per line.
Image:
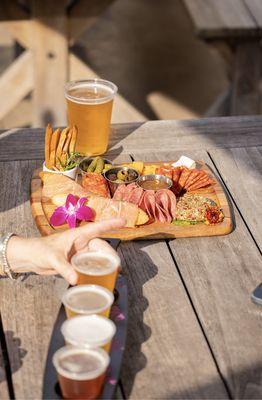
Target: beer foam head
95	263
88	330
80	363
87	299
90	91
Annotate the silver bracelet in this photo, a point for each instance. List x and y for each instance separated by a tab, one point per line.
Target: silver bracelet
5	267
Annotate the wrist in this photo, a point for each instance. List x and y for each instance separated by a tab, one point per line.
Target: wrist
19	254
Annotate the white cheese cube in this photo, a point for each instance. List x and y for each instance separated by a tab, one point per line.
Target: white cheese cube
185	162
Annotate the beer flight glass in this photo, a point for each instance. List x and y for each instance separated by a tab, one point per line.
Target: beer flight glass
87	300
81	371
96	268
89	107
90	331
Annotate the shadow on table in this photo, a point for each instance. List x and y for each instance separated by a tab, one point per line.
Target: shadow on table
14	358
138	268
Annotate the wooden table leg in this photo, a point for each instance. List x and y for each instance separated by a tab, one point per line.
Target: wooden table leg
50	47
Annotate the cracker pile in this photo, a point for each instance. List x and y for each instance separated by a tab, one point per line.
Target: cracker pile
59	145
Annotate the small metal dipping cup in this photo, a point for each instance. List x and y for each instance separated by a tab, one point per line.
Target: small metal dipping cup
155	177
114	185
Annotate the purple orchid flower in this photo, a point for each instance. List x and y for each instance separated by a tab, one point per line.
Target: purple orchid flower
74	210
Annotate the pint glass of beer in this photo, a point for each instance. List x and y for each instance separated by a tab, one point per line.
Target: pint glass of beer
90	331
87	300
89	107
96	268
81	371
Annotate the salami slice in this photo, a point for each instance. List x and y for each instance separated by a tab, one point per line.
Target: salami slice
194	176
200	183
172	204
176	174
183	177
161	214
148	204
136	195
118	195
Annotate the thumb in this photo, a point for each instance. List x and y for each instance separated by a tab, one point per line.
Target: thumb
66	270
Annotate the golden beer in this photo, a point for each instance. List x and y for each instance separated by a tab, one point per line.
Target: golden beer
90	331
87	300
89	107
96	269
81	372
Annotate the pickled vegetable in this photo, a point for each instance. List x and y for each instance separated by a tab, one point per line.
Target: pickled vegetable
92	165
99	165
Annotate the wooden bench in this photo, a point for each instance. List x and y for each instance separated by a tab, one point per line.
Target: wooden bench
235	28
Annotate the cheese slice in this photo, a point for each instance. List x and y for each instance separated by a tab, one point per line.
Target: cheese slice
185	162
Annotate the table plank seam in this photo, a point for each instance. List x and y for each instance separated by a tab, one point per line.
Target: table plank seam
235	204
223	379
7	365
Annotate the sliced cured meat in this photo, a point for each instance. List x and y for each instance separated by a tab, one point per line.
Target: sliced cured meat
162	215
148	204
118	195
127	192
183	177
176	174
198	184
107	208
136	195
164	202
201	184
194	176
95	184
172	204
165	170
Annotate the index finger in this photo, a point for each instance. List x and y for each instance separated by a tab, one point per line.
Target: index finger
95	229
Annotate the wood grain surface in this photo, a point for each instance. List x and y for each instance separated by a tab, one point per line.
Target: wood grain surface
193	331
205	133
220	274
241	170
165	345
43	209
29	305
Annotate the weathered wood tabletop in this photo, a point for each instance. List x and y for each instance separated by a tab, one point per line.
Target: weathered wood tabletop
193	331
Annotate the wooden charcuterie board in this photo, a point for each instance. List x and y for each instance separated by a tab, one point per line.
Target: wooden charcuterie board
42	212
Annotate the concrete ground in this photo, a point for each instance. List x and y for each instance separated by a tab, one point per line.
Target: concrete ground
148	48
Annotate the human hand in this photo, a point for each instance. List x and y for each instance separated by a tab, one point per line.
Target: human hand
50	255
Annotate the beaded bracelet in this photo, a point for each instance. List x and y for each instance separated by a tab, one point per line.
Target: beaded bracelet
5	267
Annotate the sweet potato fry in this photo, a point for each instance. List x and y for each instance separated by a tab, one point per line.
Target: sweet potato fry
54	143
48	135
73	140
60	146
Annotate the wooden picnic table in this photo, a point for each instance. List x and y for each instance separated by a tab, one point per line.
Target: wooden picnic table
193	331
234	27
